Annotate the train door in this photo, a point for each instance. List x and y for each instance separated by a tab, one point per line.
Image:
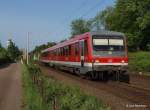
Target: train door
82	53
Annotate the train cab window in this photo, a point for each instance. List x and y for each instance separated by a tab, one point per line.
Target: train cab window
108	45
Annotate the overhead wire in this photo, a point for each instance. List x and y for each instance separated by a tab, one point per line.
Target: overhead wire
92	8
84	14
75	11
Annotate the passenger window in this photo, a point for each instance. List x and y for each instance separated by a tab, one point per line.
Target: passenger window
69	50
63	51
85	47
76	49
82	48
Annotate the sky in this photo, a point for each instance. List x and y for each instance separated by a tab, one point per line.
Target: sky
45	20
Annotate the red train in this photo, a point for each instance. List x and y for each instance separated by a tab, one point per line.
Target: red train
98	55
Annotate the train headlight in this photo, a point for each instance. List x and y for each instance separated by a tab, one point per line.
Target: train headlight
122	61
96	61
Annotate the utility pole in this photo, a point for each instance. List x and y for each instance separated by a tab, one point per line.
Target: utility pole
27	48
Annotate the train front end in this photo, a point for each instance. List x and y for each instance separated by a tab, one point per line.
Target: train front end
109	56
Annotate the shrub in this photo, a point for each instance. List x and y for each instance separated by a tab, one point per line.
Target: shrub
31	97
54	94
139	61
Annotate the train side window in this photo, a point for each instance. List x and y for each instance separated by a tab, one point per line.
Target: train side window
63	51
66	51
49	53
69	50
56	52
53	52
59	53
73	49
76	49
85	47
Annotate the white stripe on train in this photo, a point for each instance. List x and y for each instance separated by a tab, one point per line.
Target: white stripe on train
85	64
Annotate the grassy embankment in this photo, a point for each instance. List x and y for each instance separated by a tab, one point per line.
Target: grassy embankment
42	93
139	62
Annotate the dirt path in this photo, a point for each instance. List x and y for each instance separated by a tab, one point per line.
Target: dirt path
10	87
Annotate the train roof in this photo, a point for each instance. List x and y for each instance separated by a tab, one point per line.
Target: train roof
78	37
103	32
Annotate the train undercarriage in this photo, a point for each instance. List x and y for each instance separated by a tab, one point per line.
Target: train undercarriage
121	76
107	73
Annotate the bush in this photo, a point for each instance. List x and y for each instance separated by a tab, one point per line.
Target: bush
56	95
31	97
4	56
139	61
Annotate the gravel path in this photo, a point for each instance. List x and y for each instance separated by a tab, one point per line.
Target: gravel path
10	87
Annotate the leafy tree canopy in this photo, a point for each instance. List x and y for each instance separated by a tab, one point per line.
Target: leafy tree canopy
39	48
133	18
0	45
13	51
79	26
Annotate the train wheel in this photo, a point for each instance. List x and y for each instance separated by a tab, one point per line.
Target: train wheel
124	77
94	75
105	76
100	76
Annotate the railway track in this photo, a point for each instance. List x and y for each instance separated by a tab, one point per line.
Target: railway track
132	94
136	87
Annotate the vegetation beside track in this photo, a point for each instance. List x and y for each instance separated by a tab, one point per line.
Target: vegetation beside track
31	97
139	62
43	93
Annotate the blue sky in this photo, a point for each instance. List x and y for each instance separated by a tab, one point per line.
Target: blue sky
46	20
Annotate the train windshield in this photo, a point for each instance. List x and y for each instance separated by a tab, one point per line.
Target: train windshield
108	46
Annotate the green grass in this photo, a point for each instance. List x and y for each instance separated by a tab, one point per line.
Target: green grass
31	97
139	61
46	91
71	98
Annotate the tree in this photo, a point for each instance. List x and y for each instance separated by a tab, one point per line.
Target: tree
3	55
13	51
79	26
99	21
0	45
39	48
131	17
